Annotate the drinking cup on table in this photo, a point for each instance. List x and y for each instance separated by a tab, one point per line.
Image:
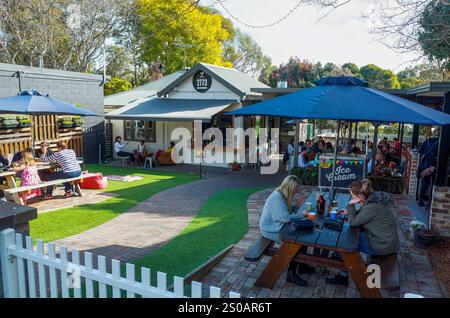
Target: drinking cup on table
335	204
333	214
312	215
308	206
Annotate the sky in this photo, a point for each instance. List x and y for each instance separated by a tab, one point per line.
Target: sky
343	36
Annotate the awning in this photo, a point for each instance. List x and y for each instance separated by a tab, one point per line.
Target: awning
166	109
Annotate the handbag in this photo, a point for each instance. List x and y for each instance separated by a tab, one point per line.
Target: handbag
303	224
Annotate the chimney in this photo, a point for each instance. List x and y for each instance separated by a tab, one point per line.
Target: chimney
157	71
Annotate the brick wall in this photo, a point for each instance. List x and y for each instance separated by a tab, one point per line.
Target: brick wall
440	211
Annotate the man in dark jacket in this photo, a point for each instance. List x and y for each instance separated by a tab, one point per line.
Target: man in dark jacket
428	161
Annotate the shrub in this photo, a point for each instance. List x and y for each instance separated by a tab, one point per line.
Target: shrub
307	176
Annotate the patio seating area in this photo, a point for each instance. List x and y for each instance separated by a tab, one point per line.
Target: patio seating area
236	274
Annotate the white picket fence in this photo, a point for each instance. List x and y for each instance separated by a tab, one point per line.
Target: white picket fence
20	279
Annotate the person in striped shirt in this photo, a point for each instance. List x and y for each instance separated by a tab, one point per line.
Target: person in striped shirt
66	159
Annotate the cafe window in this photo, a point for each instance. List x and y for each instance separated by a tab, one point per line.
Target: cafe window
136	130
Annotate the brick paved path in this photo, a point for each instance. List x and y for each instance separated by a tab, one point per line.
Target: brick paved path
157	220
234	273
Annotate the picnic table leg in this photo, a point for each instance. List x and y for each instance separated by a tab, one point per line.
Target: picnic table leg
357	269
277	264
78	189
11	180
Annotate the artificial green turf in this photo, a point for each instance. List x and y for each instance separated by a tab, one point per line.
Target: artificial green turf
50	226
223	220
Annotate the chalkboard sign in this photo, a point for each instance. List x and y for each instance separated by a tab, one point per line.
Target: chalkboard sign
347	170
202	82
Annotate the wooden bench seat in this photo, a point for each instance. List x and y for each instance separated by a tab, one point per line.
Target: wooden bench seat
257	250
13	194
390	279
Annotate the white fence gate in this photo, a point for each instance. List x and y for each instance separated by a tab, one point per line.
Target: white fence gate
74	279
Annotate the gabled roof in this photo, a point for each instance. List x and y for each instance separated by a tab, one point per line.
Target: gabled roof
146	90
236	81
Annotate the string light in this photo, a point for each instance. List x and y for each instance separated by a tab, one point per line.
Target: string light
264	25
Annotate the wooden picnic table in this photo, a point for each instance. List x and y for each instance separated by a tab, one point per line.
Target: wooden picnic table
319	242
10	175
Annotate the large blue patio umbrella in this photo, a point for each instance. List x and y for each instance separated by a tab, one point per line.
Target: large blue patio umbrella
34	103
348	99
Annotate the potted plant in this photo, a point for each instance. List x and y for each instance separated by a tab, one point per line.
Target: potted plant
77	121
423	238
65	122
308	176
24	121
9	121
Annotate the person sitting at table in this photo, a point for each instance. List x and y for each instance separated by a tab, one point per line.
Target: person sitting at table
29	176
43	151
278	211
378	236
70	168
302	158
118	145
18	155
329	147
3	161
141	153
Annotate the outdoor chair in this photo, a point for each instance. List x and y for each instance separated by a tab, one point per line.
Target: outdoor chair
124	159
150	162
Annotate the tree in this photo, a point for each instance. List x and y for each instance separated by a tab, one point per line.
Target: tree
351	69
246	55
434	36
116	85
378	77
58	33
180	33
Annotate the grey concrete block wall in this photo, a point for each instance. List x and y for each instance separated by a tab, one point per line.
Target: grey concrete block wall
71	87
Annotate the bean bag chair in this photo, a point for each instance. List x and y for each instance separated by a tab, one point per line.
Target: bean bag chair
94	181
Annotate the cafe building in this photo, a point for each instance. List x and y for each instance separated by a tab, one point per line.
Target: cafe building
203	93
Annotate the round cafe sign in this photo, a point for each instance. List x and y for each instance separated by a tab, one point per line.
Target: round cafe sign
202	82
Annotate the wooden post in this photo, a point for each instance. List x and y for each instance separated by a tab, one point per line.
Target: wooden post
10	275
357	269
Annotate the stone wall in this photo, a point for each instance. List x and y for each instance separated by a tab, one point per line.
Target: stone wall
440	211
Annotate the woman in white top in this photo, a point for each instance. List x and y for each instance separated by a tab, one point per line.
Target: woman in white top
118	145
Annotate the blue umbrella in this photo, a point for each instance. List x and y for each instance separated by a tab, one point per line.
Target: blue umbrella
34	103
349	99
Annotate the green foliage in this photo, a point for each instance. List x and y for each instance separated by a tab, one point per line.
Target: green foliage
435	32
378	77
116	85
410	82
246	55
176	32
308	176
351	69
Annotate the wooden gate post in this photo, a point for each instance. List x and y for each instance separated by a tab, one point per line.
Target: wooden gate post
10	276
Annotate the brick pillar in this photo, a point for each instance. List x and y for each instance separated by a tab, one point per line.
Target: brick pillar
440	211
412	174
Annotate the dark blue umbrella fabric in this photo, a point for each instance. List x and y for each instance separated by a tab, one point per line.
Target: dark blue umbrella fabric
347	99
34	103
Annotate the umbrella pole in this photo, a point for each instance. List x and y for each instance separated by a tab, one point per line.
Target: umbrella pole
374	146
296	142
332	192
